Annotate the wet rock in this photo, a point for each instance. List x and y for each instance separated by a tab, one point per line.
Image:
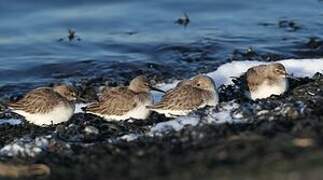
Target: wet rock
251	54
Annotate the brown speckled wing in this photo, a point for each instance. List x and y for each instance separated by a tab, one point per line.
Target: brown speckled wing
179	85
255	76
184	97
116	101
40	100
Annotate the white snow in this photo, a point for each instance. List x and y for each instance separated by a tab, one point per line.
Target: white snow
25	147
130	137
297	67
11	121
79	106
176	124
163	127
91	130
226	113
224	74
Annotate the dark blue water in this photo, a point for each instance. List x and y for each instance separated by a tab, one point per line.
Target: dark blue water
120	38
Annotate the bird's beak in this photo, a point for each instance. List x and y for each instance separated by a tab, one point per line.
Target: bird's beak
156	89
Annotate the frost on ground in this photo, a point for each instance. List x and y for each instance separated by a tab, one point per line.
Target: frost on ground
79	106
226	112
176	124
11	121
25	147
31	147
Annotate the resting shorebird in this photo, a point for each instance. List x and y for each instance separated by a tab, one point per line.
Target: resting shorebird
265	80
46	106
121	103
188	96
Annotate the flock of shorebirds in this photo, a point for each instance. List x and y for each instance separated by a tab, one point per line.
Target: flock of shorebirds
47	106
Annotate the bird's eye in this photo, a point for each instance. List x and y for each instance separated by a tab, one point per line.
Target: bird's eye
198	84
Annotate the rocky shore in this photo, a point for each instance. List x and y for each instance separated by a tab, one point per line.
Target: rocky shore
275	138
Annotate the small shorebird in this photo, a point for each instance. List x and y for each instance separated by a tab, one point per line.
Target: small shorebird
265	80
46	106
121	103
188	96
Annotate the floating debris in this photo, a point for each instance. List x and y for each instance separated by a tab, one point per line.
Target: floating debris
288	25
71	36
184	20
314	43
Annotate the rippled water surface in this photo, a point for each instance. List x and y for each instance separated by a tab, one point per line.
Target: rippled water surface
123	38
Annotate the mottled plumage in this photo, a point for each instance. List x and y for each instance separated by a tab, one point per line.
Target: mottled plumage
266	80
40	100
45	106
122	103
187	96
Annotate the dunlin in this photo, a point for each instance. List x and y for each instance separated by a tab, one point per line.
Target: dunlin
265	80
121	103
188	96
46	106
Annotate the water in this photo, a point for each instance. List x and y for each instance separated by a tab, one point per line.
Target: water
122	38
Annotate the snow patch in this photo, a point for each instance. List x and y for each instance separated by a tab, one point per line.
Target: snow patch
176	124
227	112
11	121
297	67
130	137
25	147
79	106
224	73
